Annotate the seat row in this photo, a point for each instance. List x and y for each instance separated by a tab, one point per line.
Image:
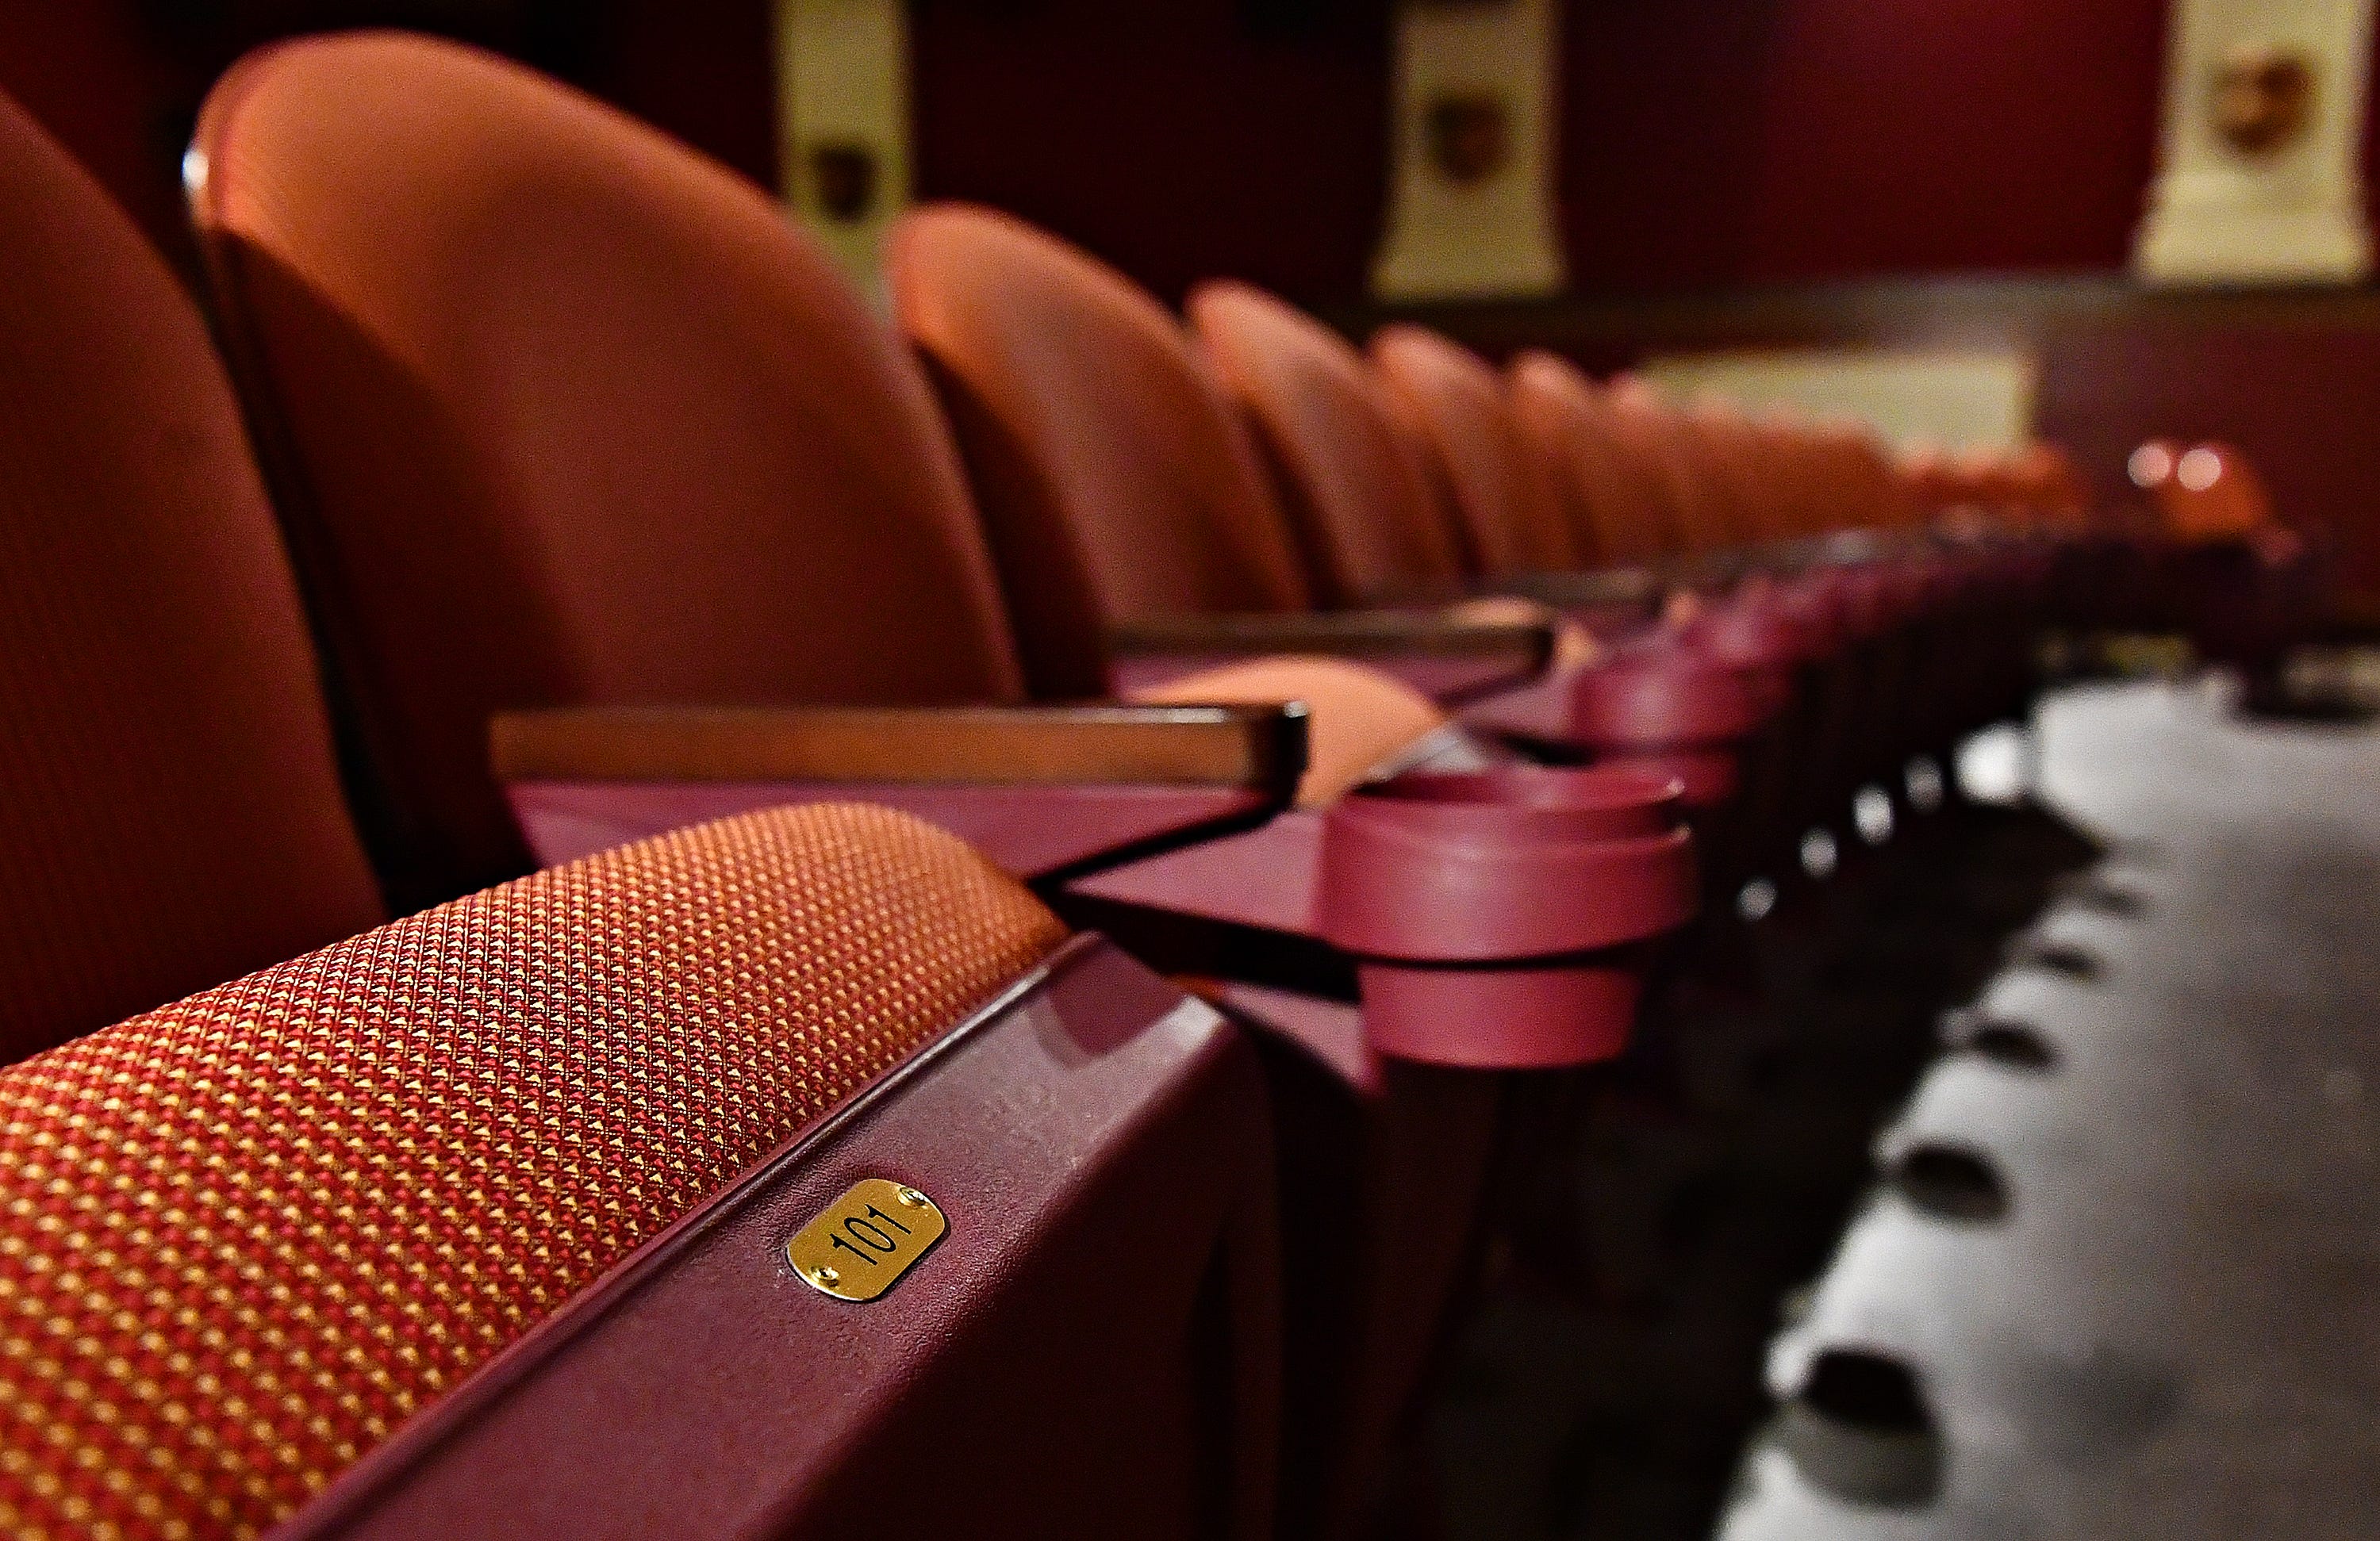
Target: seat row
774	1148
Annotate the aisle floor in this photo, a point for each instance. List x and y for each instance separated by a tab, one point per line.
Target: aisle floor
2162	1323
2174	1330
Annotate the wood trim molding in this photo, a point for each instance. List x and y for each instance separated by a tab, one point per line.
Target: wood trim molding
1342	634
1260	748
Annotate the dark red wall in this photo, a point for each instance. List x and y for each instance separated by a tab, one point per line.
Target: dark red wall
1717	142
1722	141
1736	142
1179	139
119	81
106	82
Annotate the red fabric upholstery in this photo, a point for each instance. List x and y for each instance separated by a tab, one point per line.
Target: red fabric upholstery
1452	402
1352	483
1697	495
244	1238
564	414
1116	483
1612	485
1719	439
170	815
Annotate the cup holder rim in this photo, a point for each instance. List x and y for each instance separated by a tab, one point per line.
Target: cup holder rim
1686	694
1590	790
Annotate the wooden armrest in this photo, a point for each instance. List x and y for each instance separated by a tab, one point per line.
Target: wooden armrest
1340	634
1261	747
1607	586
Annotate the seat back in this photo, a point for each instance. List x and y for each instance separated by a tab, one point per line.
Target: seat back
170	809
1791	475
562	413
1720	442
1452	403
1353	489
1859	484
482	1221
1115	482
1699	491
1610	488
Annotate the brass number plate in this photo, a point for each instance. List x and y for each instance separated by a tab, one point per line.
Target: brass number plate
860	1246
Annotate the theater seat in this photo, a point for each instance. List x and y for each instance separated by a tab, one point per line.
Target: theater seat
170	813
1356	492
1610	488
522	1216
1452	402
559	414
1051	361
1309	396
1137	535
1093	529
1698	491
518	1214
621	369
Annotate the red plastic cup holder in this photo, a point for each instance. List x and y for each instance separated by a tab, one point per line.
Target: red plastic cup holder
1490	912
1870	608
1910	591
1524	1018
1518	862
1672	695
1601	800
1939	587
1819	606
1707	779
1757	634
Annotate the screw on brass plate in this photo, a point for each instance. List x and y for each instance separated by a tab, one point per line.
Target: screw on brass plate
915	1199
826	1276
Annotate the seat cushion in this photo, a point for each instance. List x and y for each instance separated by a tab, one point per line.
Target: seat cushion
244	1237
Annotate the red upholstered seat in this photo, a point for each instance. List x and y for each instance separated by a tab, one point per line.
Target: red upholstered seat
640	420
1118	484
1697	494
170	814
1355	490
1611	484
510	344
1114	482
1451	401
561	413
478	1222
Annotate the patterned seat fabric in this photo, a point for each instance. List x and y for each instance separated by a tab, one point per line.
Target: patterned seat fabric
244	1237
